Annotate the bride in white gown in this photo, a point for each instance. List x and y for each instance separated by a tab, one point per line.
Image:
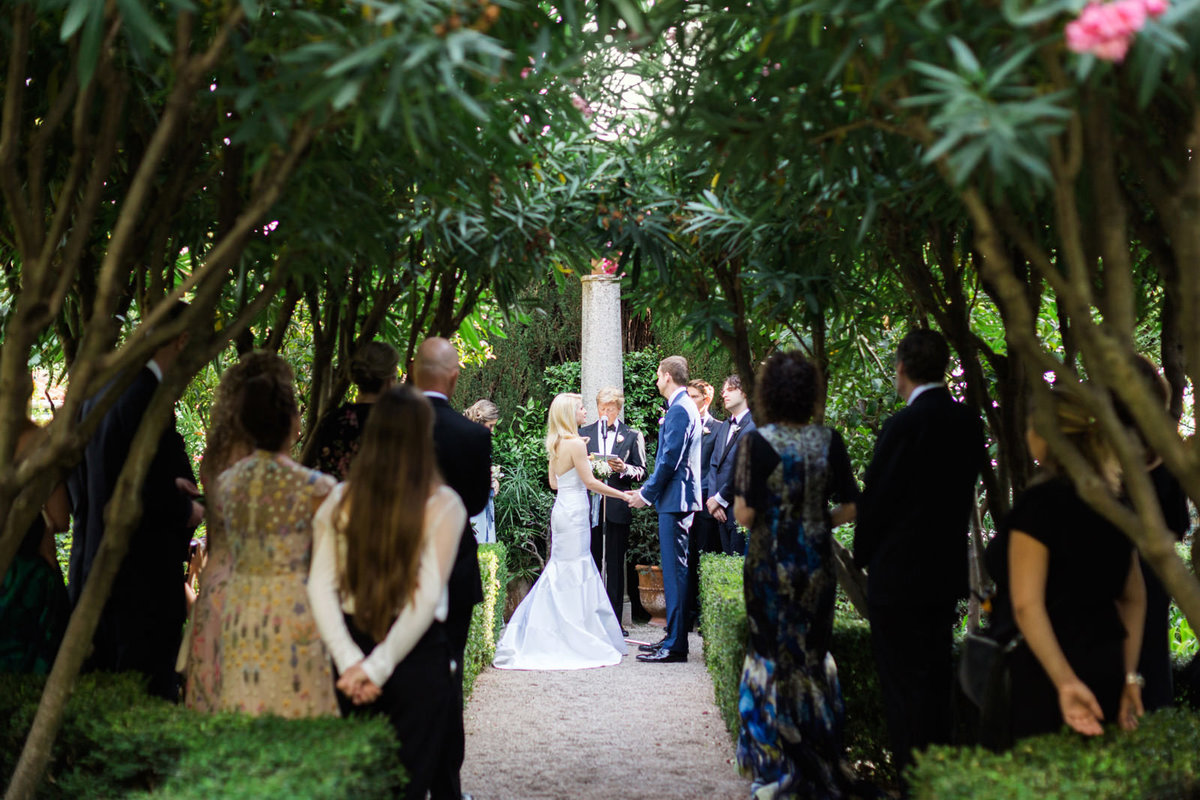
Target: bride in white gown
566	620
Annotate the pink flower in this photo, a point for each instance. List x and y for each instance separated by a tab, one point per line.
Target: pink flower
1106	29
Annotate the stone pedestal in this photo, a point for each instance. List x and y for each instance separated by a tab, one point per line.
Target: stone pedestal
601	352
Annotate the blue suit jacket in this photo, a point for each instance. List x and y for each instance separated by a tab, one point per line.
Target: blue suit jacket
675	484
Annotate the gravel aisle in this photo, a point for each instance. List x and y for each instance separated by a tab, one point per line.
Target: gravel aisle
626	732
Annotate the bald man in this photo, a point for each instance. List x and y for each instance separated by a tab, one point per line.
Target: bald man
464	454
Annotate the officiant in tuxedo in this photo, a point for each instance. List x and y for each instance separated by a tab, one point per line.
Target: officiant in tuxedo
626	449
718	486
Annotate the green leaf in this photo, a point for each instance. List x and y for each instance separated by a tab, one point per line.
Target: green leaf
89	47
75	16
251	8
963	55
139	21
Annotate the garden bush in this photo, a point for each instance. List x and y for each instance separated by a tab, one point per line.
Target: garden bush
1157	761
723	622
488	617
117	741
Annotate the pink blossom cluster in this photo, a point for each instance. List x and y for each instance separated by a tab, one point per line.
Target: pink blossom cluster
1106	29
604	266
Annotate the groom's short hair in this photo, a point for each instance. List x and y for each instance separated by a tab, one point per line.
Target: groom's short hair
610	394
676	367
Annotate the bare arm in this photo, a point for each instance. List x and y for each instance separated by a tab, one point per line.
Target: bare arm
577	451
553	477
1028	566
743	513
1131	606
841	514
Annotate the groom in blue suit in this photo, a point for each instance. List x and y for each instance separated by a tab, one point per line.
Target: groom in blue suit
674	491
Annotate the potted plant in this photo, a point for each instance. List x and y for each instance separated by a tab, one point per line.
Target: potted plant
644	553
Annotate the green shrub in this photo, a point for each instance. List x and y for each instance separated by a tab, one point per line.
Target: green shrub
116	741
488	617
1156	761
723	621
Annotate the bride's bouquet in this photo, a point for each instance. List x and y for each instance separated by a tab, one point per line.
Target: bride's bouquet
600	467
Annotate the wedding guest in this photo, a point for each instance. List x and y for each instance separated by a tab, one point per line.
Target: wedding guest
34	607
373	370
486	414
1069	581
464	456
911	535
1155	660
610	521
794	484
703	537
226	443
141	626
386	541
719	490
270	658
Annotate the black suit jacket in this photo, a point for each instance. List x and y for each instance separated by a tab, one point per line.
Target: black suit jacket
724	457
630	446
150	578
464	455
911	530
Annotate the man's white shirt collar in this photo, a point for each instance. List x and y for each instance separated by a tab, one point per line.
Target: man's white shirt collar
674	397
919	390
439	395
153	366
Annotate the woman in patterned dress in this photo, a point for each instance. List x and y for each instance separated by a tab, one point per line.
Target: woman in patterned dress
226	444
270	658
788	474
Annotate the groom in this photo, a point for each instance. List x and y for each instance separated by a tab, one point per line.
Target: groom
674	491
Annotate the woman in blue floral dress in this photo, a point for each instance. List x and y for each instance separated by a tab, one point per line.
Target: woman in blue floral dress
794	484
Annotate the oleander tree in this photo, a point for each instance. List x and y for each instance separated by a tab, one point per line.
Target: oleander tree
1036	153
238	154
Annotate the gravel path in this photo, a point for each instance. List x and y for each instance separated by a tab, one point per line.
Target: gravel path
619	733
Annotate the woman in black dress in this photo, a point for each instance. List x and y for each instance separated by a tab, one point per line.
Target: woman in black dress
373	371
1069	581
793	485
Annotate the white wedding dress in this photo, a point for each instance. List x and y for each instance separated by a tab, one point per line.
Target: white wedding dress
566	621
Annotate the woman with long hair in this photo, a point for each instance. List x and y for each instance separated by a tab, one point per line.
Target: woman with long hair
566	621
1069	581
386	540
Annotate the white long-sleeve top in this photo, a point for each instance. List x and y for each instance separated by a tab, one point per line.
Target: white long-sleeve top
445	518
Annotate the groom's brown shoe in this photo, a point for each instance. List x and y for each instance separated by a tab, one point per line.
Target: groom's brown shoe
663	656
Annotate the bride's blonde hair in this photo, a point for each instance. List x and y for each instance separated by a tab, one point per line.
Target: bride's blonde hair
561	423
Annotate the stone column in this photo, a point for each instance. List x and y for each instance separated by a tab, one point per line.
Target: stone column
600	359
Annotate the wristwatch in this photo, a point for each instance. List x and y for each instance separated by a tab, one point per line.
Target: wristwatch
1135	679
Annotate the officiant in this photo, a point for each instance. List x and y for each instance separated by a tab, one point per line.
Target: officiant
625	449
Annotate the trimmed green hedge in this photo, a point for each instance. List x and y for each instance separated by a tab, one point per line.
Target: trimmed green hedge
723	623
488	617
1156	762
116	741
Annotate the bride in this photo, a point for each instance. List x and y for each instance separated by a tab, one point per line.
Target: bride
566	620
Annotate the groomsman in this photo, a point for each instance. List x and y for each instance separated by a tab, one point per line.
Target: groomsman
674	490
626	451
464	456
719	485
911	535
703	538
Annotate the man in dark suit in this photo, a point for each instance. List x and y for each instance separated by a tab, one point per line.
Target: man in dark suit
703	537
142	623
912	537
626	449
674	490
719	488
464	454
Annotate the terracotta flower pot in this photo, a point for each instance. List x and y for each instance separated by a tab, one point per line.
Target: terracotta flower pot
650	590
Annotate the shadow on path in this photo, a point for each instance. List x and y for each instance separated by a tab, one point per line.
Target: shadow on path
619	733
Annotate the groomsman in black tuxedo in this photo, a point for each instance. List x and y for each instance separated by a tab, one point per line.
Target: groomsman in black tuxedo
626	449
718	490
141	625
911	535
703	538
464	455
